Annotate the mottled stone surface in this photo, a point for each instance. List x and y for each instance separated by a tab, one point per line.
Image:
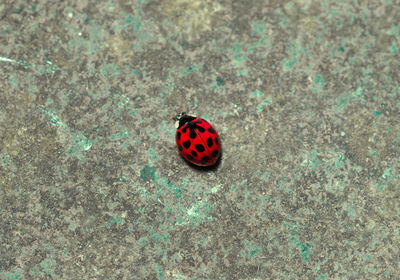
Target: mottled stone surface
304	94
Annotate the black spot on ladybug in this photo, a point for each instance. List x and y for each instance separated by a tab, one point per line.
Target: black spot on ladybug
178	135
210	141
180	148
186	144
211	130
189	157
192	133
199	148
193	152
201	129
204	159
216	140
214	153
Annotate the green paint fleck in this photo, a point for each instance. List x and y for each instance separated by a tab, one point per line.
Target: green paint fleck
294	50
387	173
258	28
81	142
159	270
4	161
305	252
216	188
256	93
238	60
242	72
393	48
237	49
251	249
148	173
192	68
263	103
143	241
220	81
377	113
265	176
117	221
110	70
319	80
152	154
11	275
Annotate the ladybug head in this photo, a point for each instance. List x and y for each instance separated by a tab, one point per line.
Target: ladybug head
182	118
179	116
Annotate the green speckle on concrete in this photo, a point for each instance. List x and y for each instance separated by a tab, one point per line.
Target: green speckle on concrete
236	47
387	173
148	173
159	270
319	80
260	107
165	182
199	212
152	154
322	276
347	98
258	28
238	60
190	69
246	193
393	48
168	86
303	247
294	51
115	220
265	176
377	114
216	188
110	70
242	72
143	240
48	266
12	275
122	134
256	93
32	89
136	23
220	81
305	252
312	160
3	161
154	135
81	142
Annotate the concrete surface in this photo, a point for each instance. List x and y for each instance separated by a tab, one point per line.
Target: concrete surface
304	94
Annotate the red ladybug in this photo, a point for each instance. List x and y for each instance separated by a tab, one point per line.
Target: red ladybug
197	141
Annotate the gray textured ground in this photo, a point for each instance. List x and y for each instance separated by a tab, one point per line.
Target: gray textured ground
305	96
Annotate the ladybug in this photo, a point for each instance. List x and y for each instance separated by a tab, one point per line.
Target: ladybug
197	141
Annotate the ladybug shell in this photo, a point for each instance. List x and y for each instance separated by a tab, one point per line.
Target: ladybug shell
197	141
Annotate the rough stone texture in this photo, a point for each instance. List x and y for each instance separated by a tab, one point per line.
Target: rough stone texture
304	94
